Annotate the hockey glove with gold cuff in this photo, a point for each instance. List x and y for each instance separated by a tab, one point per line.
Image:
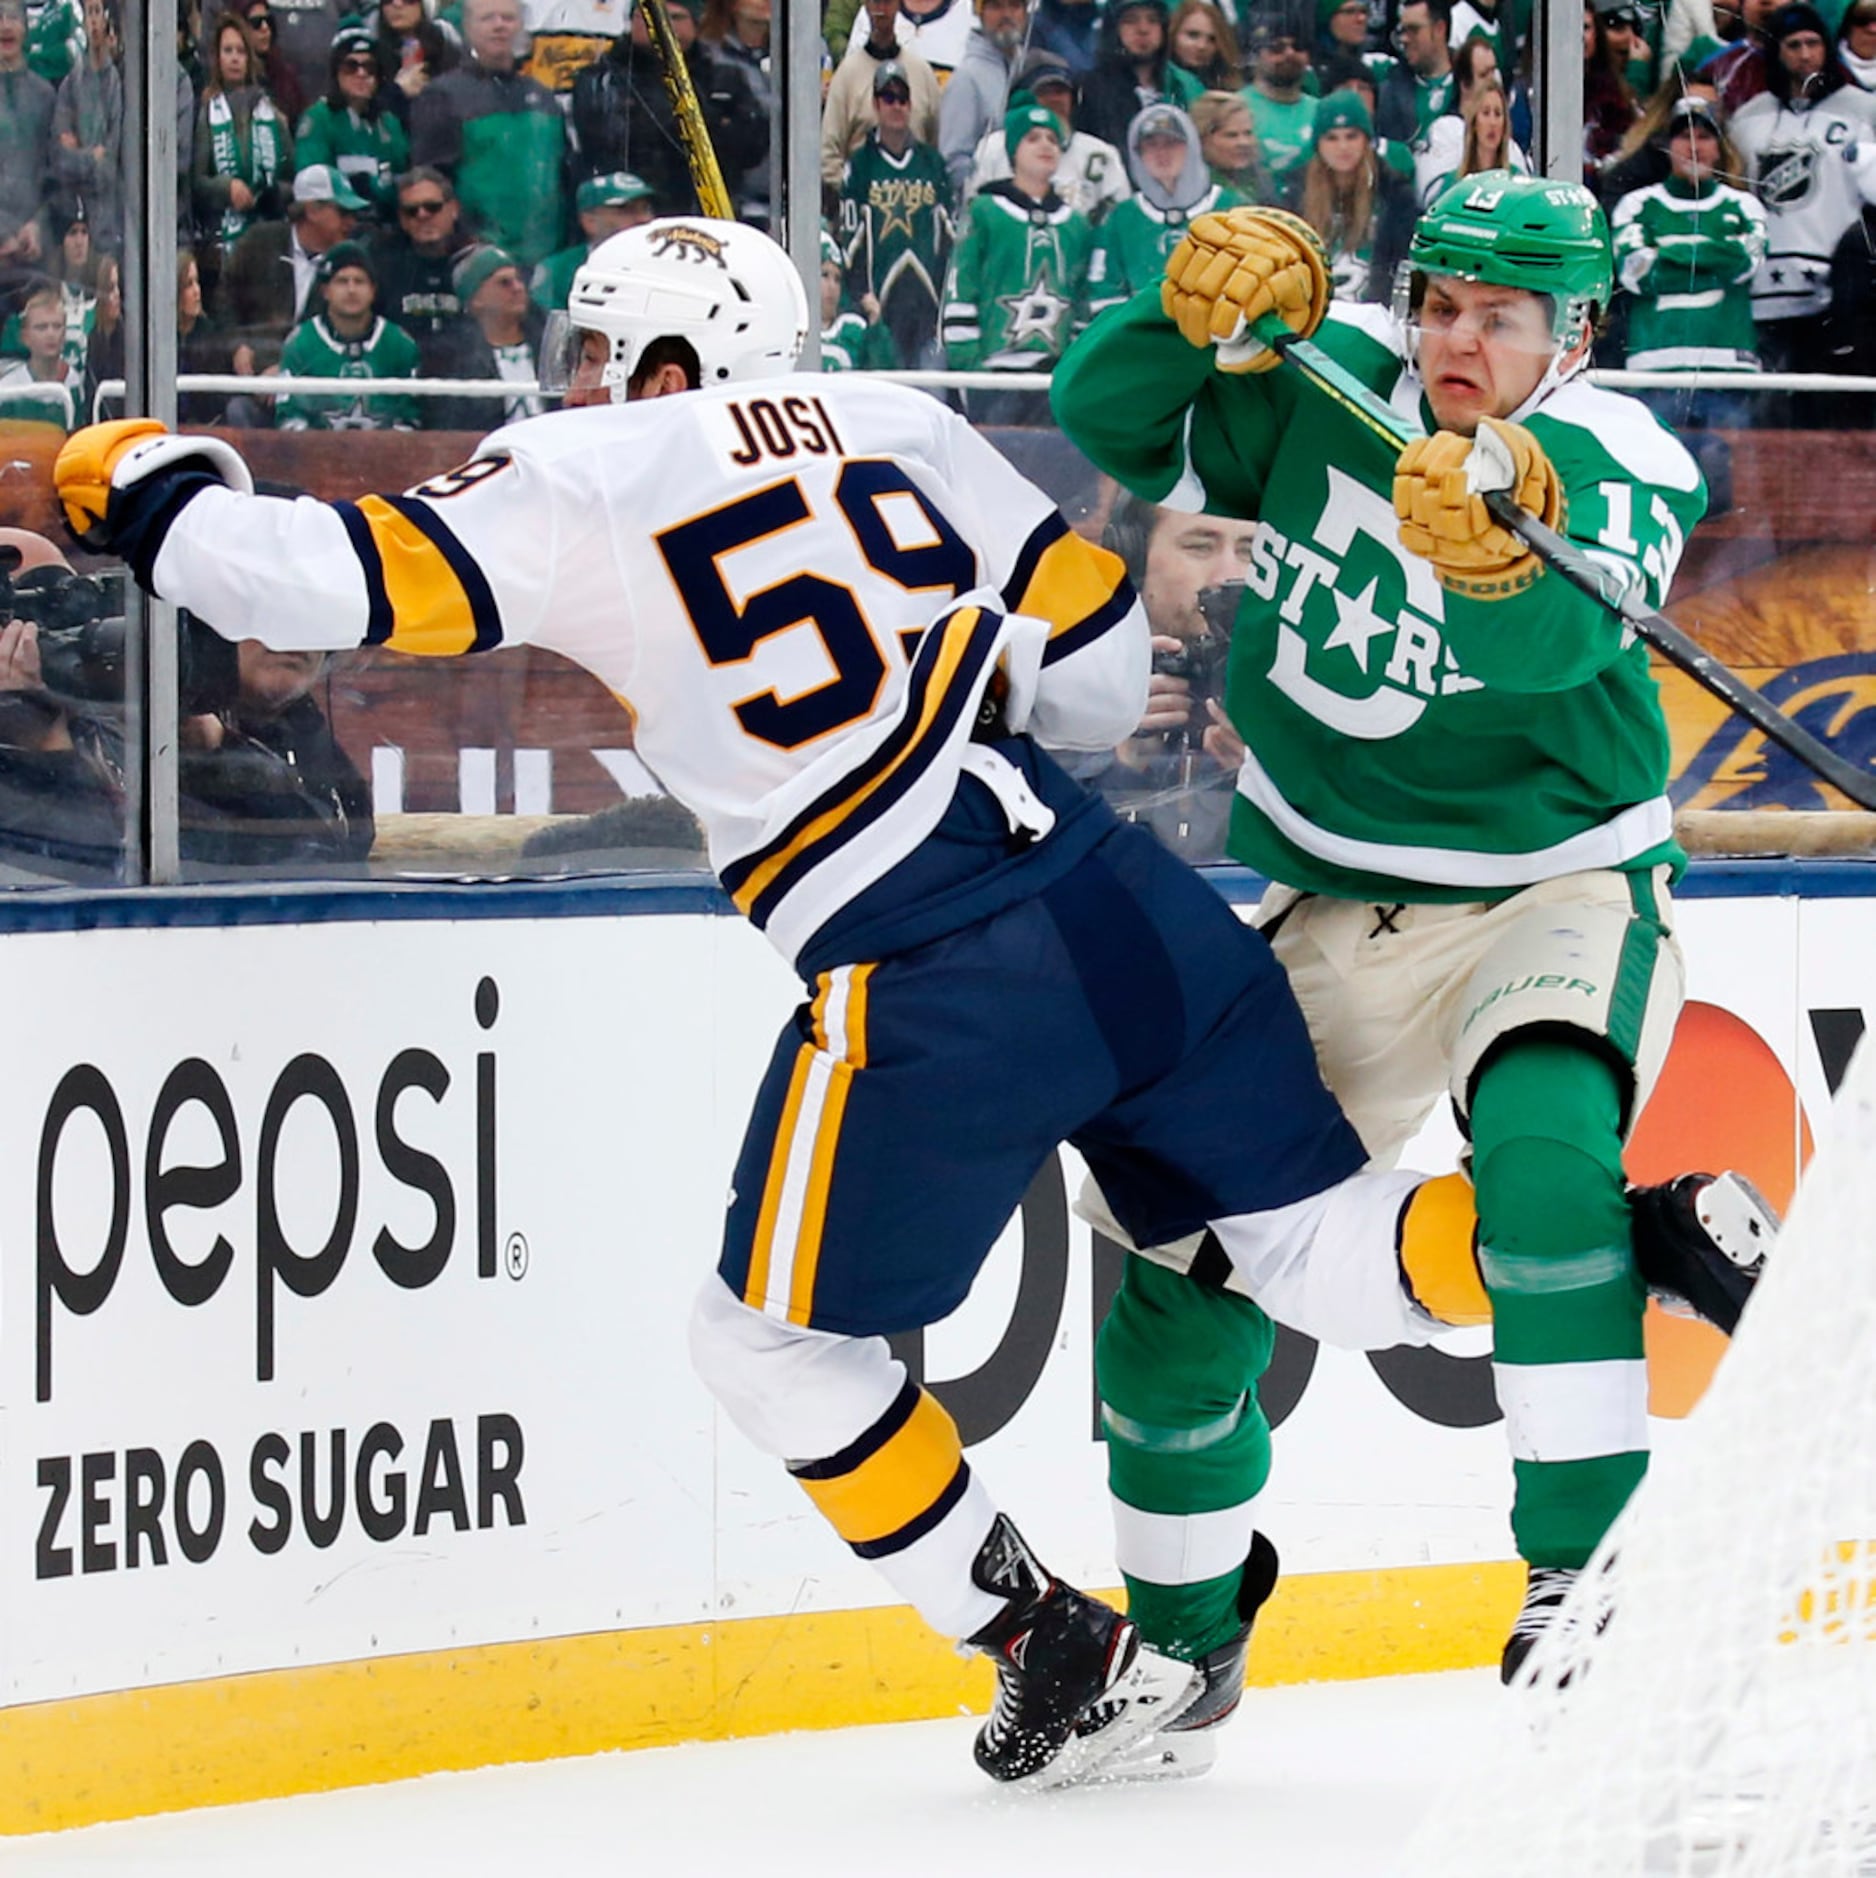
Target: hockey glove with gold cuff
1235	266
121	484
1440	485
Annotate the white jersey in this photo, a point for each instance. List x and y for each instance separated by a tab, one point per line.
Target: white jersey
1814	170
751	571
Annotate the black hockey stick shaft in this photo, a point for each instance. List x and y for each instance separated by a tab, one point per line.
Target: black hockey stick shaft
1587	575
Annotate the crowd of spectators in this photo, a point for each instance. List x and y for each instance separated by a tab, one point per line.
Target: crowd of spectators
408	190
994	173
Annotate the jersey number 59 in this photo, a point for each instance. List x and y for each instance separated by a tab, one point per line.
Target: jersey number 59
730	633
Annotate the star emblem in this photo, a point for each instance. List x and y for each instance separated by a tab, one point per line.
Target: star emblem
1035	313
895	212
1356	622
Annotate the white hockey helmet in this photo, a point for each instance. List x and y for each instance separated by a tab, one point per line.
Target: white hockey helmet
729	290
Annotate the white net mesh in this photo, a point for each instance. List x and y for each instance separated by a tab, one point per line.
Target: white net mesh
1719	1717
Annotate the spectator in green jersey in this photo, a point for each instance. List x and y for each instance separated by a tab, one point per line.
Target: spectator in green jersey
347	339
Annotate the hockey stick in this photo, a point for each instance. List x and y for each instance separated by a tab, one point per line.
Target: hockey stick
712	197
1602	583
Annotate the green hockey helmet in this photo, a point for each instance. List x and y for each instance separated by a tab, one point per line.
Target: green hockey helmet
1516	231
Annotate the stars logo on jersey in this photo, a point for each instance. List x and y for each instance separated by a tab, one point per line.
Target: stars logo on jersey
1412	662
1035	313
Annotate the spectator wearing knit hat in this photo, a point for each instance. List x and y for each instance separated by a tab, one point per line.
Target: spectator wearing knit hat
1018	288
1808	142
606	205
1362	208
497	335
351	129
347	339
1135	69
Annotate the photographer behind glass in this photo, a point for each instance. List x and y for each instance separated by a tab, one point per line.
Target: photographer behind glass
1189	570
263	782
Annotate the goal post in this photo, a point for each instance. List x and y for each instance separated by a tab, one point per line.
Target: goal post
1707	1706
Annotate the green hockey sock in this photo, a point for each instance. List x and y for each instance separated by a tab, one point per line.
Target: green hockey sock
1188	1448
1566	1299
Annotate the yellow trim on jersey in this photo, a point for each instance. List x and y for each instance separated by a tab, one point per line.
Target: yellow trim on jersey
756	1289
275	1733
1439	1234
959	627
827	1137
430	610
898	1482
1073	579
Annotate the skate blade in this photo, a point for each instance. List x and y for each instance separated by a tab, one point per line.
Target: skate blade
1151	1690
1164	1757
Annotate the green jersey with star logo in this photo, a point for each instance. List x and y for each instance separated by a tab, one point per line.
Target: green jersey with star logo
1018	288
1404	743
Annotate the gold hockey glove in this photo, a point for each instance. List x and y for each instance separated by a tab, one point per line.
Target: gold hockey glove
1234	267
1440	483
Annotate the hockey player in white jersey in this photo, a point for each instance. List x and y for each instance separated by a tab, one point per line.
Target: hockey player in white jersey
845	627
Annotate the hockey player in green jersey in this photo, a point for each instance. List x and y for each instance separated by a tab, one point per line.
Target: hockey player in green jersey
348	340
1686	249
1455	774
1172	188
1019	277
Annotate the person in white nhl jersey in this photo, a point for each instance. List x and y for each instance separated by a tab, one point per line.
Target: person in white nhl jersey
845	627
1456	773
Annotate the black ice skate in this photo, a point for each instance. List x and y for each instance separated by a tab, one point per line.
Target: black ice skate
1074	1686
1700	1243
1545	1590
1188	1744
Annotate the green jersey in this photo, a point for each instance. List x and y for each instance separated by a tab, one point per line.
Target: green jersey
1686	259
1405	743
314	350
370	152
1286	132
1132	244
1018	290
895	220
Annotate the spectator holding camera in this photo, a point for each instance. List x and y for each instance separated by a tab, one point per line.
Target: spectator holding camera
1173	774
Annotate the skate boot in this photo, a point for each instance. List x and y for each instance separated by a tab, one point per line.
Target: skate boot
1700	1244
1188	1743
1545	1589
1074	1685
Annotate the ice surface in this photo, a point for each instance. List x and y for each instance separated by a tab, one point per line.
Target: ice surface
1324	1780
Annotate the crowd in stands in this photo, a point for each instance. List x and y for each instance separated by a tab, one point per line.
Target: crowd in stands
407	191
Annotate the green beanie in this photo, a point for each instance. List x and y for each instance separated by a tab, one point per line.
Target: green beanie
1028	117
1342	110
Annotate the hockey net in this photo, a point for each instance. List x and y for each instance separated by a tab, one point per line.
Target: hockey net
1707	1707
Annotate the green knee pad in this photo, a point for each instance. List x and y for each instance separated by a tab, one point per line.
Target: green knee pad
1553	1207
1177	1365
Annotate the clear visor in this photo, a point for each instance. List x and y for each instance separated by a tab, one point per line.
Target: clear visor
573	359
